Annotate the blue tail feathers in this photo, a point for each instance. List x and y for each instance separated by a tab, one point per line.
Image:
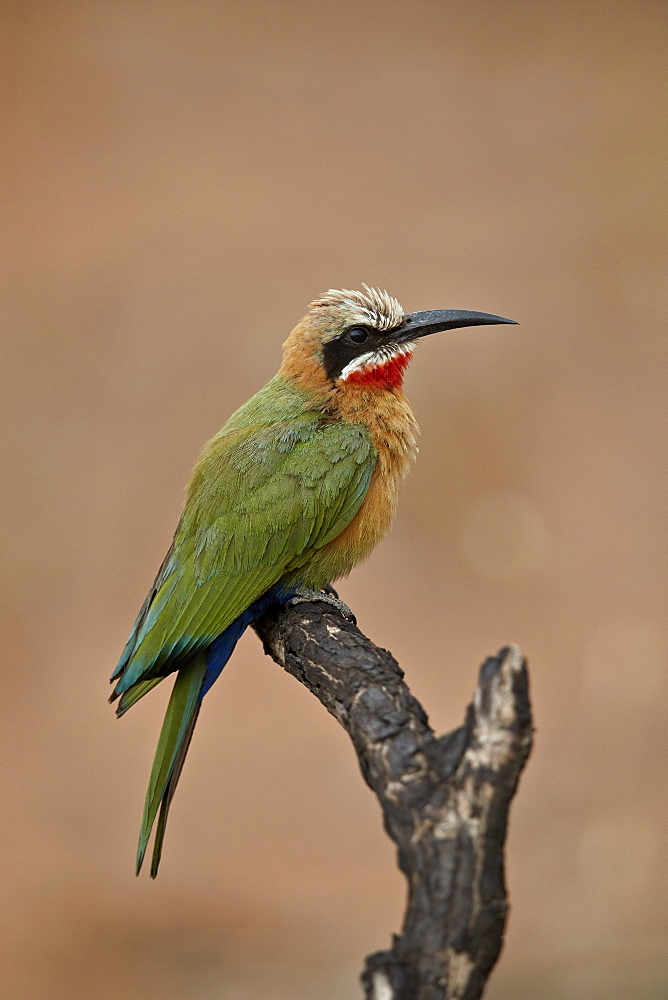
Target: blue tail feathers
220	650
193	681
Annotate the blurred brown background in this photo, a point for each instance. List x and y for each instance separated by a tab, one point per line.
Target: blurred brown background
180	179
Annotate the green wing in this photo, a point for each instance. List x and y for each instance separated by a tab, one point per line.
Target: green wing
261	498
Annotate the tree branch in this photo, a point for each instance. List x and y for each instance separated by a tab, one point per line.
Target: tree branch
444	799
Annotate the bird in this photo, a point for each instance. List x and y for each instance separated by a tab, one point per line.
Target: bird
296	489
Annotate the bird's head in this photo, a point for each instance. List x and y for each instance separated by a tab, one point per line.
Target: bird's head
352	338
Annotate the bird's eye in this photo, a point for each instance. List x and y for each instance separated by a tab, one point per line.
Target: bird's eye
357	335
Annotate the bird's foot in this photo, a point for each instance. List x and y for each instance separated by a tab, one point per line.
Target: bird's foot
325	596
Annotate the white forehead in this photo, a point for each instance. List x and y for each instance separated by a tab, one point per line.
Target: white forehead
372	307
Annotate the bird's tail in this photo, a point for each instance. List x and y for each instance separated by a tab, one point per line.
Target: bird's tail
175	735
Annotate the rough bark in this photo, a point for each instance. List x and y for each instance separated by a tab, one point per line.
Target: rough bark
444	799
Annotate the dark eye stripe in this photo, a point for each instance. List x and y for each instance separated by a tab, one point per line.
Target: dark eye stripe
341	350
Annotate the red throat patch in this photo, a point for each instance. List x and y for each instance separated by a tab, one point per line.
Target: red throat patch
389	375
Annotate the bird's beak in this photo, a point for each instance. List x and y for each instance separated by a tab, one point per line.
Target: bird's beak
421	324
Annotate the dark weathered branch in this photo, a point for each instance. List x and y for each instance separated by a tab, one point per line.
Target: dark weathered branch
444	799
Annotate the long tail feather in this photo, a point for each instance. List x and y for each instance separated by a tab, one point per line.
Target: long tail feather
175	736
169	793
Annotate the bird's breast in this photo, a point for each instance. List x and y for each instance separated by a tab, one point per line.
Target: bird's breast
393	429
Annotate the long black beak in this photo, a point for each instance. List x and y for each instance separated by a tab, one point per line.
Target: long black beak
421	324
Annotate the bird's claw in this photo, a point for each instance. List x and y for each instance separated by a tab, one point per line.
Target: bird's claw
325	596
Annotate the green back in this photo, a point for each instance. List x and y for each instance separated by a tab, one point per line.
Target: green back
265	494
